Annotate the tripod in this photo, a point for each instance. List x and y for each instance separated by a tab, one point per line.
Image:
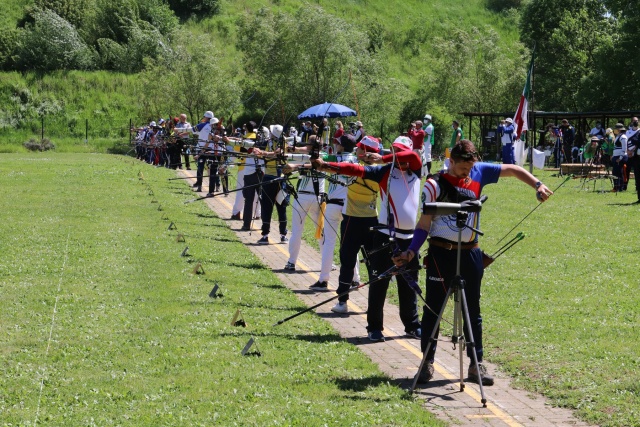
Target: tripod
593	174
460	309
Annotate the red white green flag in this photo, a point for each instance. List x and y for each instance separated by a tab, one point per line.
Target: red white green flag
520	120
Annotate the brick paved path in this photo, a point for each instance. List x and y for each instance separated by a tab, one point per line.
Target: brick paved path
399	357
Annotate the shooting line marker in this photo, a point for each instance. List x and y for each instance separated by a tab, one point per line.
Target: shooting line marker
238	320
198	268
245	350
214	292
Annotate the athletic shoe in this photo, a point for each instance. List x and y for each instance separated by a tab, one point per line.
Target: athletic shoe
355	284
283	238
236	216
334	267
320	286
195	185
290	266
199	189
245	228
376	336
416	333
487	379
340	307
209	194
264	240
426	374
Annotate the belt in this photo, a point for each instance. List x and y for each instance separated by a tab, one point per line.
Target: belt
451	245
335	202
307	192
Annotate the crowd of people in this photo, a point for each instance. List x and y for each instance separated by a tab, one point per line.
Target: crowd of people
342	173
613	148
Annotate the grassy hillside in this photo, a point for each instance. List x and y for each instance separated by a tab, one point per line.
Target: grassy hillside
406	31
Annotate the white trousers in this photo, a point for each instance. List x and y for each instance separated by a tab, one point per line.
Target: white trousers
303	205
238	204
333	218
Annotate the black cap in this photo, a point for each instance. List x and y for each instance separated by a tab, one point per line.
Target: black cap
348	142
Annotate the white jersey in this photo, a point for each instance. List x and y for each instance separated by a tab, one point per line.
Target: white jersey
337	191
400	197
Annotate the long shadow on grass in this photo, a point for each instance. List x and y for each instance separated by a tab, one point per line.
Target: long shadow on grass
623	204
363	384
205	224
211	238
316	339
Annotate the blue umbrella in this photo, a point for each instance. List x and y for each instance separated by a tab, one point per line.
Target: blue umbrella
327	109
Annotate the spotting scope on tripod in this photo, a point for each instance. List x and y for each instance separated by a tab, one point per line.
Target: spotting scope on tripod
457	289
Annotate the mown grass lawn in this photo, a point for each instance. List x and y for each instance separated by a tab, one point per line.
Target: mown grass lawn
104	323
561	307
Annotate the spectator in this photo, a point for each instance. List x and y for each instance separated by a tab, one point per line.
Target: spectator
506	132
337	135
427	146
568	136
607	148
633	144
619	159
456	136
598	130
359	132
324	134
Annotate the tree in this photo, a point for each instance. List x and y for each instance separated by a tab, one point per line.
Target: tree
291	58
187	81
613	83
567	35
52	43
128	32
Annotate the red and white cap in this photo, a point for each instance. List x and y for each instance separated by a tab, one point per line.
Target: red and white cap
403	143
369	144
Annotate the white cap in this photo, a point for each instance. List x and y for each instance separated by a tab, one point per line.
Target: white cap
209	114
214	121
508	120
152	124
403	143
427	117
276	130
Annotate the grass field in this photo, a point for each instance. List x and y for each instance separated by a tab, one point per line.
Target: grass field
104	323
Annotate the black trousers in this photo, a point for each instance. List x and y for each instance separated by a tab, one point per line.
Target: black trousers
635	164
269	190
441	269
214	178
379	262
354	233
249	195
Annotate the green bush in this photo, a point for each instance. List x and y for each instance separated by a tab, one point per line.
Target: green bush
8	48
52	43
43	145
73	11
158	14
501	5
194	8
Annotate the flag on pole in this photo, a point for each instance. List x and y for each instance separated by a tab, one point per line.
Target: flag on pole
520	120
